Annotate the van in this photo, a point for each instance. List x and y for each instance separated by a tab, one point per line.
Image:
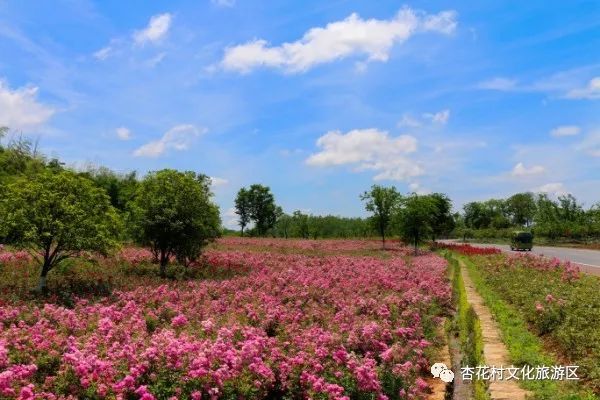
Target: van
521	241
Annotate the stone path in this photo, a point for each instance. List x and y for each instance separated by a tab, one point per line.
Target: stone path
494	351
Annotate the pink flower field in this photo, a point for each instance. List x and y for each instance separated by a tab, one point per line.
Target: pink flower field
292	326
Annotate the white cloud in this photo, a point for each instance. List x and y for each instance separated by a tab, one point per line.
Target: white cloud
177	138
565	130
591	144
20	108
520	170
352	36
591	91
439	117
157	28
555	188
216	181
103	53
498	83
123	133
223	3
408	121
368	149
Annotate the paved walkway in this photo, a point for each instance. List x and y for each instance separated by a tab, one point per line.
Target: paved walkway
494	351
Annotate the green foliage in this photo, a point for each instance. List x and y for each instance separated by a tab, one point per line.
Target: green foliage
257	204
242	208
414	218
442	222
174	215
514	309
57	215
381	202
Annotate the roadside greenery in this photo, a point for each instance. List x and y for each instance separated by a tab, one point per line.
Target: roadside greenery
553	310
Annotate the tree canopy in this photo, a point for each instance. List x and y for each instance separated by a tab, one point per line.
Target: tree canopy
174	215
56	216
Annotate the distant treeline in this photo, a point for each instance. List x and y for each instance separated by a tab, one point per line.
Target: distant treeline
562	219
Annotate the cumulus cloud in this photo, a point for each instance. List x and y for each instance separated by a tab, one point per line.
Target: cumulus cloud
555	188
591	91
123	133
157	28
520	170
20	108
216	181
498	83
178	138
372	38
565	130
439	117
368	149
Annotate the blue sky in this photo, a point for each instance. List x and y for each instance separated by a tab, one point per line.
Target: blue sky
318	100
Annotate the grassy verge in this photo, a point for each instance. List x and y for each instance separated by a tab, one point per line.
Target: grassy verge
467	327
525	348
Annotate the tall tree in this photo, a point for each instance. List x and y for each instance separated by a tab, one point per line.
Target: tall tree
381	202
414	218
521	207
262	208
243	208
442	218
56	216
175	215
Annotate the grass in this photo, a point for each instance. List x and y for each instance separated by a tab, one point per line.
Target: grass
468	328
524	347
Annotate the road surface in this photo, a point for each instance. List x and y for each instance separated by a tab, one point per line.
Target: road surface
588	260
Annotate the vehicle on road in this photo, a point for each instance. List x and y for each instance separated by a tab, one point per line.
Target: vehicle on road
521	241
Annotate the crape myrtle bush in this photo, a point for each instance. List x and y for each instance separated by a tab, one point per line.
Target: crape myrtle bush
309	245
292	326
466	249
561	304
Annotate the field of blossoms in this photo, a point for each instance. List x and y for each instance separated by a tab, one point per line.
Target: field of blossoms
285	323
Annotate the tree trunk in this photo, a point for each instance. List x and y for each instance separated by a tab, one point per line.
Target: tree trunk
416	246
42	286
164	260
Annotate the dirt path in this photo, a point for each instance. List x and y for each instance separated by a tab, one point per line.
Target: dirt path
494	350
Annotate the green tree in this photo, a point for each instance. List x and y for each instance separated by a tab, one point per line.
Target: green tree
262	208
414	218
300	225
442	219
174	215
521	207
242	208
56	216
381	202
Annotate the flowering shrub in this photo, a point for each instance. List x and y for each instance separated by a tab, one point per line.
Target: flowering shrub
334	327
556	299
466	248
13	257
308	246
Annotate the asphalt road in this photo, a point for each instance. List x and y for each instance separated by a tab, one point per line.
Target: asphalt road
588	260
